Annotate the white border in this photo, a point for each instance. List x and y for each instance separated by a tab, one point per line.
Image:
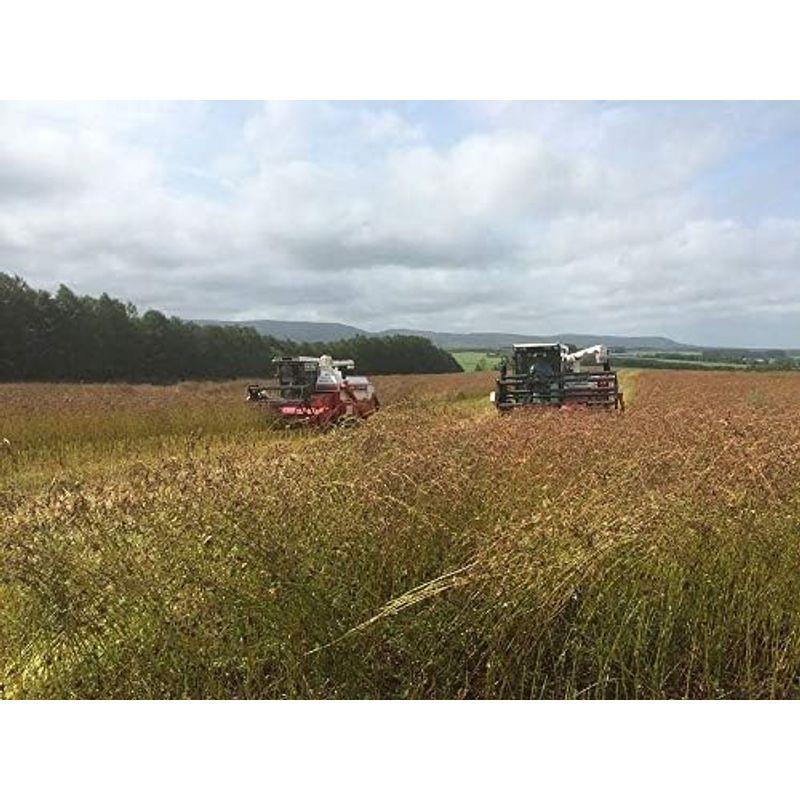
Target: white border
394	749
368	49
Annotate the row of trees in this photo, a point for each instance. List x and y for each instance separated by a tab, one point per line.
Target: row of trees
388	355
66	337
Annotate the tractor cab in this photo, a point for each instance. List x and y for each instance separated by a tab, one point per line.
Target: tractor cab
297	376
539	361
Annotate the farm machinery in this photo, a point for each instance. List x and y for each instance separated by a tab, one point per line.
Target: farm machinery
315	391
548	374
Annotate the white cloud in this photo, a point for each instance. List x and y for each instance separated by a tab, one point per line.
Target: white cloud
530	217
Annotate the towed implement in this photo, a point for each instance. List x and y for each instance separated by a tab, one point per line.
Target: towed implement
548	374
315	391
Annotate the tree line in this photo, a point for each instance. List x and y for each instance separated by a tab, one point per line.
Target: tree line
67	337
388	355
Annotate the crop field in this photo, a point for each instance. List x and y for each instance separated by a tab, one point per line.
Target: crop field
162	542
482	360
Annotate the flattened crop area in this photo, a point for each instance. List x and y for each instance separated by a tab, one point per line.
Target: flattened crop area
159	542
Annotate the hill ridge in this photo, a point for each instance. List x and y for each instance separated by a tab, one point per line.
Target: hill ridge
299	330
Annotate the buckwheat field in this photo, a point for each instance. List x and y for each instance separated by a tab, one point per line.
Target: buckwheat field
165	542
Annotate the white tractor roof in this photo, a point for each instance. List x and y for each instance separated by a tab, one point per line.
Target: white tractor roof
279	359
345	362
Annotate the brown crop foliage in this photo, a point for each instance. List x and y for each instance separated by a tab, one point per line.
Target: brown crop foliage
163	542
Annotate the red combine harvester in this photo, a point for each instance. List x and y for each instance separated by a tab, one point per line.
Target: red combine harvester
315	391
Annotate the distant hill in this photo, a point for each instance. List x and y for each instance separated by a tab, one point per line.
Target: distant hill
334	331
490	340
295	331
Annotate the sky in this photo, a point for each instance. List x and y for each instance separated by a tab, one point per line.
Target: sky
641	218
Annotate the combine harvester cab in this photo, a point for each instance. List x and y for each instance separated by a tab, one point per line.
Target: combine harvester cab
315	391
548	374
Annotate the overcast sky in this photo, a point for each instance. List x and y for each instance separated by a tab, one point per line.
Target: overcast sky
680	219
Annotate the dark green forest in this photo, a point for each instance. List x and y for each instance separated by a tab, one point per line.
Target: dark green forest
67	337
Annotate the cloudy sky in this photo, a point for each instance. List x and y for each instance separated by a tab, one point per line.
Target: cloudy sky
680	219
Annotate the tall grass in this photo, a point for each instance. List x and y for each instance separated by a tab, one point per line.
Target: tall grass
437	551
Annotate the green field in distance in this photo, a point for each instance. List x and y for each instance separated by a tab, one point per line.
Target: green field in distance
481	359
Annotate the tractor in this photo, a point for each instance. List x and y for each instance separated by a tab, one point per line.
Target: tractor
552	374
315	391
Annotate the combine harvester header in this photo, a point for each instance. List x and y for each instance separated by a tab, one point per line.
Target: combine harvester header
548	374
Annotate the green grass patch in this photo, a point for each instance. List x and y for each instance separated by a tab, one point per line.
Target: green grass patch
477	360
